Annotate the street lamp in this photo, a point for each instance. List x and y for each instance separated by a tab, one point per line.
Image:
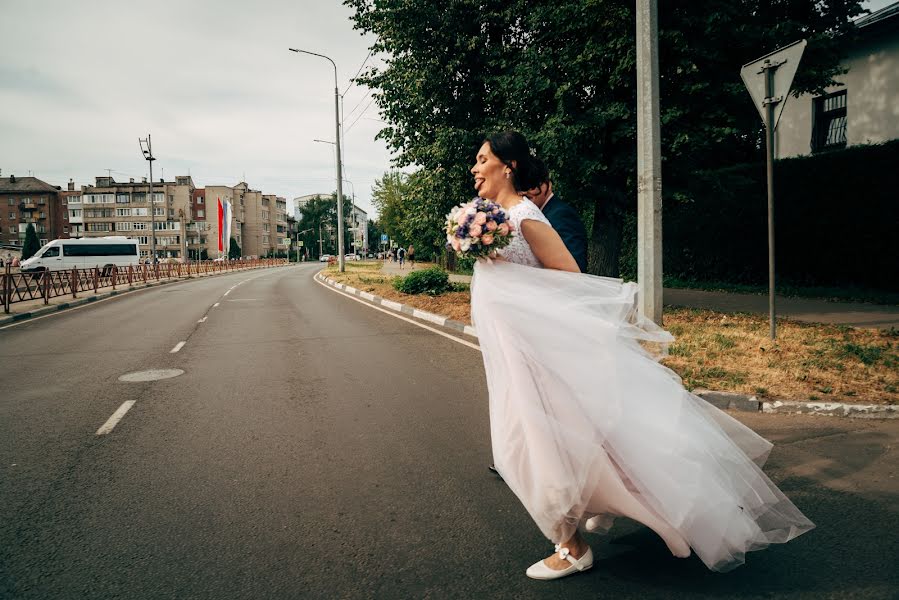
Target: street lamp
340	256
148	154
299	233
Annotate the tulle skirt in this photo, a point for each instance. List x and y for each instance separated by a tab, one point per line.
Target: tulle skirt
575	385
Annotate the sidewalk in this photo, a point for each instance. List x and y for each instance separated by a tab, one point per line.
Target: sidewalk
809	310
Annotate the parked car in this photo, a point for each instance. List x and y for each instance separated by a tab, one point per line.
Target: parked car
324	258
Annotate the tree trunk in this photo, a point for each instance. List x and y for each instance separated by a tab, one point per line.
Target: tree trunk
604	245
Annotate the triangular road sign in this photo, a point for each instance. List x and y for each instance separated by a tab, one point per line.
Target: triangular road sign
785	62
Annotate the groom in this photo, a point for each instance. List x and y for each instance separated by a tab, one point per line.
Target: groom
564	220
567	224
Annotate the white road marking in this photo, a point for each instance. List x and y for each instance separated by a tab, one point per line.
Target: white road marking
228	292
115	418
392	314
203	320
214	305
177	347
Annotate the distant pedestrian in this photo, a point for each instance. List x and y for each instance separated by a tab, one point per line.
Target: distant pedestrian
410	255
15	261
401	255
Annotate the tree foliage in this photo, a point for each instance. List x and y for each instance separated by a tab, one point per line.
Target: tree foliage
233	250
564	73
31	244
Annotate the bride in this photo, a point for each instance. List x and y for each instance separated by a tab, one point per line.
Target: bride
586	425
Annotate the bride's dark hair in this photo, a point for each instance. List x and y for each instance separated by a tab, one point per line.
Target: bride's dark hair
528	171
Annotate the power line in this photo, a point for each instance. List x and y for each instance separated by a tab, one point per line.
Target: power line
360	115
361	100
357	72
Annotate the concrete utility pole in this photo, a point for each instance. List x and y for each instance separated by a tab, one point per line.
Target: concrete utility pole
148	154
649	163
340	253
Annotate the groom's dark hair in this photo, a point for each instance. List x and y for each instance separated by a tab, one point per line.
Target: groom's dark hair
528	171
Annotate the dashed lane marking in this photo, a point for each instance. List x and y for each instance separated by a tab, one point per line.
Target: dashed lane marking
112	421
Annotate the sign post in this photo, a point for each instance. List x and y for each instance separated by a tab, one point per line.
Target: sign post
768	80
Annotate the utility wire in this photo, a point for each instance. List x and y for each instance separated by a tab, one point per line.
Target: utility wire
357	72
360	115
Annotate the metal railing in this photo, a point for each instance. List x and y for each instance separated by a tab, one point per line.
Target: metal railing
22	287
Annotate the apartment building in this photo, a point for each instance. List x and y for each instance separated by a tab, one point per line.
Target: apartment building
73	221
25	200
116	208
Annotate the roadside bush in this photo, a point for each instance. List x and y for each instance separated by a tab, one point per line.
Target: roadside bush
433	282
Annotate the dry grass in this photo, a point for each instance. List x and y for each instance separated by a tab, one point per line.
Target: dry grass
731	352
367	276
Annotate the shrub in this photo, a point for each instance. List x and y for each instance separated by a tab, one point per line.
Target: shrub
433	282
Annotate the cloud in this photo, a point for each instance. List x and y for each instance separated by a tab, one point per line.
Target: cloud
212	81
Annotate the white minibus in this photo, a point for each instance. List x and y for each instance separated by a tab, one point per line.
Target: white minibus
84	253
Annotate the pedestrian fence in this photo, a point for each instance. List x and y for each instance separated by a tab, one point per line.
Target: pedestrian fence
46	284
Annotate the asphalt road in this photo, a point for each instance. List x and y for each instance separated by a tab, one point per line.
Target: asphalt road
317	448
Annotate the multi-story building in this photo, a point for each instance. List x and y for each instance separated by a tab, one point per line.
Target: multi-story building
300	201
25	200
72	218
358	224
116	208
282	232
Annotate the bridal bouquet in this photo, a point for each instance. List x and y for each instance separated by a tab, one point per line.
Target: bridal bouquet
477	228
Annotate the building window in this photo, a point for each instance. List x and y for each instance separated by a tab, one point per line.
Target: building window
123	212
65	230
43	242
158	212
12	215
201	213
829	116
42	200
199	199
122	199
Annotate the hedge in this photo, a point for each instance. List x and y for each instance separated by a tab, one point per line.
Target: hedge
836	220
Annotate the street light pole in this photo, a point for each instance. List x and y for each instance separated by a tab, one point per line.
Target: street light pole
340	255
148	154
299	233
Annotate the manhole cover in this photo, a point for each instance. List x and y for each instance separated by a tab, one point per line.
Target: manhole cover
151	375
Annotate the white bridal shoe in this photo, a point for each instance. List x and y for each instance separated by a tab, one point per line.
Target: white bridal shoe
539	570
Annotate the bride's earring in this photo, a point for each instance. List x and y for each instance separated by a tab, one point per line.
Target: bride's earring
508	174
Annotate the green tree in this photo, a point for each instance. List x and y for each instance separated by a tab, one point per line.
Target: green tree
387	196
233	249
315	217
563	73
31	245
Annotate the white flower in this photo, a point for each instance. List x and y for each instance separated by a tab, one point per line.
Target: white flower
466	245
471	210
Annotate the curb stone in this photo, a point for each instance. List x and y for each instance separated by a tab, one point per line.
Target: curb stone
455	327
718	399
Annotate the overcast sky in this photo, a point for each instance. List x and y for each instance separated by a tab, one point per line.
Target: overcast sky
212	81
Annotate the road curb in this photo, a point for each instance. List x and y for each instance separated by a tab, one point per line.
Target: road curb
450	325
76	302
718	399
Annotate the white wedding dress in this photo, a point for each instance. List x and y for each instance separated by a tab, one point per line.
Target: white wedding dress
586	423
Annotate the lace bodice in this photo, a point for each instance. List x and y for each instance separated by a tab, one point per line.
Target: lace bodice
518	250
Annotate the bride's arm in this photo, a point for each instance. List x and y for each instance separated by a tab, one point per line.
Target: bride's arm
547	246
